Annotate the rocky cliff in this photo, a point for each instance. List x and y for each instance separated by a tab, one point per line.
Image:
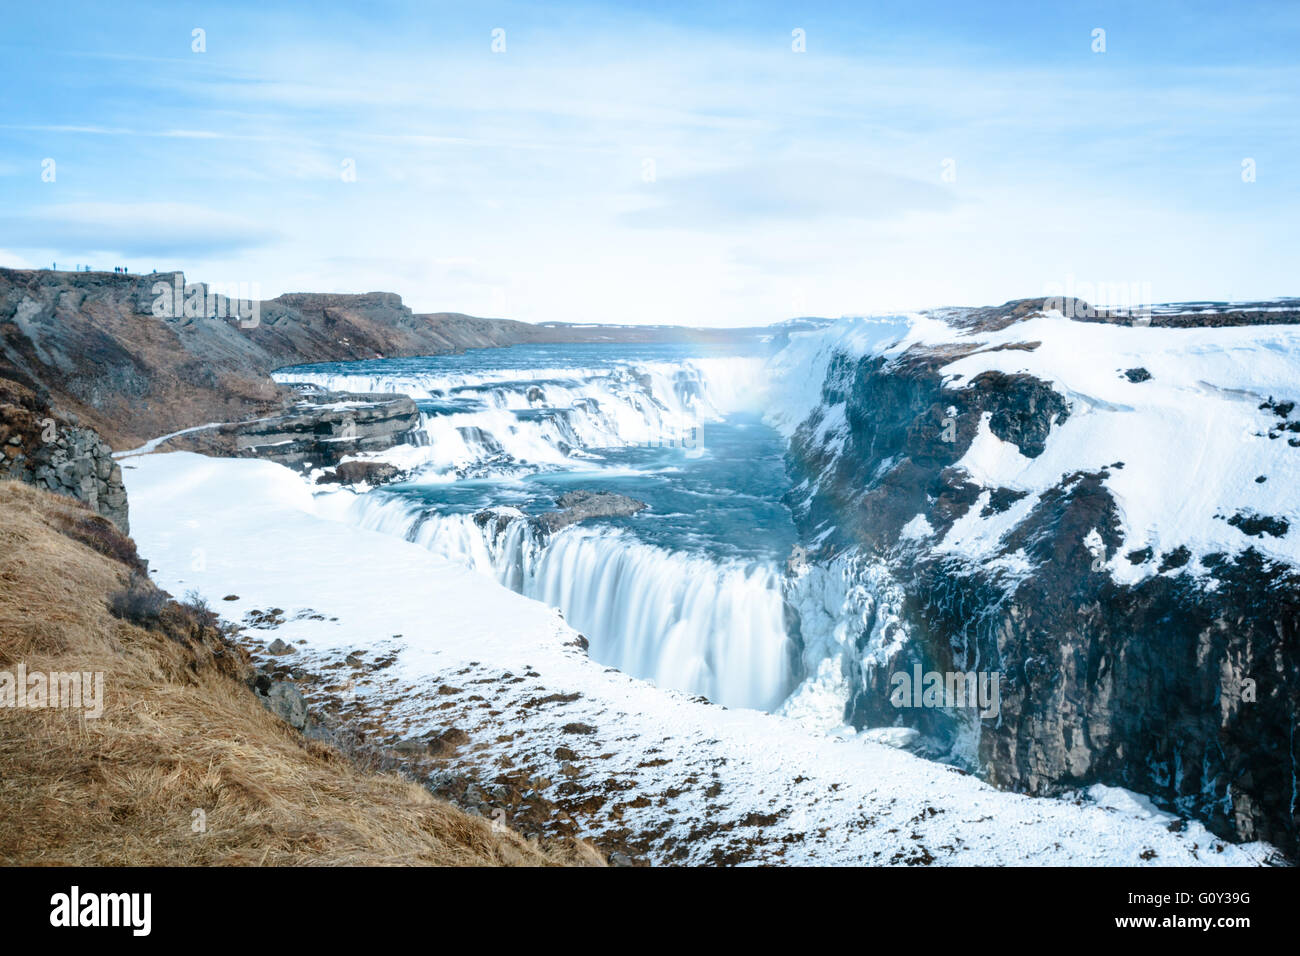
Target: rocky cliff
318	430
51	451
1108	547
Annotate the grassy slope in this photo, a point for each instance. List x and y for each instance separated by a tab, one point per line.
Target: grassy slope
180	731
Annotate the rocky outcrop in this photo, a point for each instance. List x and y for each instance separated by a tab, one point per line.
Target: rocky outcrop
581	505
280	697
318	431
361	472
53	452
575	507
1182	687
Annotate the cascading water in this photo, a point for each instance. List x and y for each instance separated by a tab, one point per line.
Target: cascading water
704	626
690	593
533	411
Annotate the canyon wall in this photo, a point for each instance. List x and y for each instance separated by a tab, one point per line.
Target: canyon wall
1169	672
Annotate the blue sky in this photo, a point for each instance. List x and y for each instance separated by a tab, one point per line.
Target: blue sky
660	162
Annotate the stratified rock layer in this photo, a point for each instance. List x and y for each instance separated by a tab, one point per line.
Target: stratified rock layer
52	452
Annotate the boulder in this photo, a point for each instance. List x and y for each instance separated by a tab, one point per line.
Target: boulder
361	472
581	505
284	700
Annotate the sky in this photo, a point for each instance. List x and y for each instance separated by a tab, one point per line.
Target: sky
717	164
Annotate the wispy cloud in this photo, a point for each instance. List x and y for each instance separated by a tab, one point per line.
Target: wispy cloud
344	150
804	191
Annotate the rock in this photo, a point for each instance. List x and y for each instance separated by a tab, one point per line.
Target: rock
618	858
318	430
286	701
1258	525
280	647
582	505
60	457
361	472
411	746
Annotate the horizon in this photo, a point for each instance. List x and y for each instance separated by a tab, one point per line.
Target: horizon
672	166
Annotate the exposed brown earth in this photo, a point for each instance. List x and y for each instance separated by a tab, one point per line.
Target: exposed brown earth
184	766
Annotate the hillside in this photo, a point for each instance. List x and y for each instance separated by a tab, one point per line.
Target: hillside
149	782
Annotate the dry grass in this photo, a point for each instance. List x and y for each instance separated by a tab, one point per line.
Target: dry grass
180	732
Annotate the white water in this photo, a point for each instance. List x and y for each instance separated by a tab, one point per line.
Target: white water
491	419
695	623
687	620
705	627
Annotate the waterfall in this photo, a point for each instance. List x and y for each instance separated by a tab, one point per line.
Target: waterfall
702	621
483	421
691	623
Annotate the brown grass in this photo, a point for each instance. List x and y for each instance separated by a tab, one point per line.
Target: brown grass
181	732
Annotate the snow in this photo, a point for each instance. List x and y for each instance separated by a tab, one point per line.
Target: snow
918	529
1192	438
991	461
255	529
153	443
1128	802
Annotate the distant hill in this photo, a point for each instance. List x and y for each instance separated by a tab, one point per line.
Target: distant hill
90	343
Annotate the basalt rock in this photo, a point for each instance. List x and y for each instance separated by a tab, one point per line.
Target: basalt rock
282	698
582	505
1183	687
361	472
318	431
51	450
